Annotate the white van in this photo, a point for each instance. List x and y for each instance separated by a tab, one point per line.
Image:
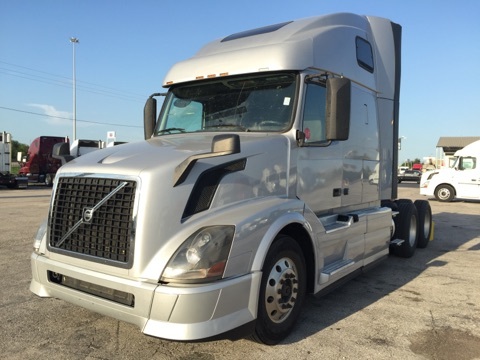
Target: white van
461	181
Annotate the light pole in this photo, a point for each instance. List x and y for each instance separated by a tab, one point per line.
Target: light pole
74	41
400	143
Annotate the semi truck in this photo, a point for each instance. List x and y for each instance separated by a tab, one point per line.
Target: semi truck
251	190
460	181
39	165
8	179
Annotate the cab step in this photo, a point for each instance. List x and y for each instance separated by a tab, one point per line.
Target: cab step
334	268
397	242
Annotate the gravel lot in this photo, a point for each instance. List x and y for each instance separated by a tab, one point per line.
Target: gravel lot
426	307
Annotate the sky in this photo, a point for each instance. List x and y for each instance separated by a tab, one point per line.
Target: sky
125	49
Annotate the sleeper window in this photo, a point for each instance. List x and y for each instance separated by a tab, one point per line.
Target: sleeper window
364	54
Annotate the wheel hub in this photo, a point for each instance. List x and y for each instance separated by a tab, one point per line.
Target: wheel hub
281	290
444	193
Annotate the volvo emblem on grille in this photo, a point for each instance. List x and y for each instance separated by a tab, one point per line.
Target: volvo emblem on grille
87	214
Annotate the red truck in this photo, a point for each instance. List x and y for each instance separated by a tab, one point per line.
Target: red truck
39	165
417	166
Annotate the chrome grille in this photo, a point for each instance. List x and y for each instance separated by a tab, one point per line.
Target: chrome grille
105	236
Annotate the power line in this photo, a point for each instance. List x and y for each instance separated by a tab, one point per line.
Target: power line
66	84
66	118
64	81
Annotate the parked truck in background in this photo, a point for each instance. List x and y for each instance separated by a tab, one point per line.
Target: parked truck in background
251	190
11	181
39	165
460	181
81	147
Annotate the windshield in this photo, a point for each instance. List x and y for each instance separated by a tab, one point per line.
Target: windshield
254	103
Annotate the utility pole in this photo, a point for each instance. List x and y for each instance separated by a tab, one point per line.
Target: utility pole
74	41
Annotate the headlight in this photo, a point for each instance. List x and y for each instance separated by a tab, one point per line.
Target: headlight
38	246
202	257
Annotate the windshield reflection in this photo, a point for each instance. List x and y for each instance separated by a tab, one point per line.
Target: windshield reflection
254	103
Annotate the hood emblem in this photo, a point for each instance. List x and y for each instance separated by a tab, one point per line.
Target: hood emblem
87	214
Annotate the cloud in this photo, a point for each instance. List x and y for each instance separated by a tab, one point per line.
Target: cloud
55	117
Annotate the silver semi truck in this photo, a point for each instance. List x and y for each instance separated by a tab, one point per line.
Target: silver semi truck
268	174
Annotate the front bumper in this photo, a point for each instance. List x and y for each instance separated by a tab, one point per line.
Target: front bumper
426	190
174	312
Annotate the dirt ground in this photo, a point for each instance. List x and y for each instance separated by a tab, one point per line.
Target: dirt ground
425	307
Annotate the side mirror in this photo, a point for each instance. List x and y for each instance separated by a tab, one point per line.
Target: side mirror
222	144
149	117
338	108
225	144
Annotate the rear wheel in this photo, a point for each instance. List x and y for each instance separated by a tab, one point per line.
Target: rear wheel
406	229
424	222
282	291
444	193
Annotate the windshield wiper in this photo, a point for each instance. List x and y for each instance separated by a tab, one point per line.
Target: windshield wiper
169	130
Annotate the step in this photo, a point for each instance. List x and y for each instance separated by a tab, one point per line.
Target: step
334	268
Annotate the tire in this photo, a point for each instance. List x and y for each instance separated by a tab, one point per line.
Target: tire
49	180
406	228
282	291
403	201
444	193
424	222
390	204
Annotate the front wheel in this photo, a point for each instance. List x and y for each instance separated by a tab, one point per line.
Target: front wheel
282	291
444	193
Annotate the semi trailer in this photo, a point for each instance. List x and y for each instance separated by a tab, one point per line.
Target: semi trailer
11	181
252	189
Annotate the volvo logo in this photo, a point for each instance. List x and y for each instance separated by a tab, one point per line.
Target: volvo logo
87	214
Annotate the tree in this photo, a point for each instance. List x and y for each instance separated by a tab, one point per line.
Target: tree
16	148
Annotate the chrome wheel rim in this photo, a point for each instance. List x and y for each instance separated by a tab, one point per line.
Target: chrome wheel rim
281	290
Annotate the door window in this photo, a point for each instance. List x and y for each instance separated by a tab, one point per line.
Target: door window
314	113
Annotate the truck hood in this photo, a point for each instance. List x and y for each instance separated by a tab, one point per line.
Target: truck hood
133	158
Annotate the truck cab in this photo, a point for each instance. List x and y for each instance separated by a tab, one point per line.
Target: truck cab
39	164
268	174
460	181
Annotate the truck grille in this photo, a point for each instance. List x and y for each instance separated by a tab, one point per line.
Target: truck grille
93	217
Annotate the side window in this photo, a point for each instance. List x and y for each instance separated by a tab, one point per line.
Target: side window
364	54
468	163
314	113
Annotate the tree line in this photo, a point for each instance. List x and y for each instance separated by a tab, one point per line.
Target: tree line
16	148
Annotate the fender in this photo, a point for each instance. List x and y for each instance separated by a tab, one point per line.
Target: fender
276	227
